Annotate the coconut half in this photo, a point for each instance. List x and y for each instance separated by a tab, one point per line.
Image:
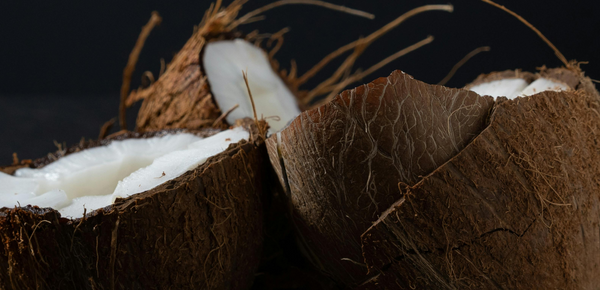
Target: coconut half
183	98
360	159
183	220
342	161
516	209
95	177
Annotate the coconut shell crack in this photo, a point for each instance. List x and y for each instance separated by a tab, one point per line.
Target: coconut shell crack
342	161
516	209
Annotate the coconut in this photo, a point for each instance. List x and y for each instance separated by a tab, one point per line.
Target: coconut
440	171
182	98
400	184
203	85
515	209
342	162
361	158
190	219
201	229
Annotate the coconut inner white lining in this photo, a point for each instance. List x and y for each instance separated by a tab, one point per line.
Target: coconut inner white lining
512	88
95	177
223	64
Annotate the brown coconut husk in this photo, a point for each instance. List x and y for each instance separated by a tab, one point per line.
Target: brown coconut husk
283	267
341	162
516	209
572	76
181	97
200	230
504	199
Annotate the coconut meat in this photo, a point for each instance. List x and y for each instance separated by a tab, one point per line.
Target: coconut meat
509	88
512	88
224	62
543	84
95	177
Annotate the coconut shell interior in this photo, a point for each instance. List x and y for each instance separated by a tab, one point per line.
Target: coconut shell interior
572	77
200	230
82	145
518	208
342	162
501	75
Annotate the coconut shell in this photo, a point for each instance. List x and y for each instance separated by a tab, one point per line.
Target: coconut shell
200	230
342	162
573	77
518	208
181	96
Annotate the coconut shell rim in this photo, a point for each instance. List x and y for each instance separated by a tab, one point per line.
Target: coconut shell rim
124	203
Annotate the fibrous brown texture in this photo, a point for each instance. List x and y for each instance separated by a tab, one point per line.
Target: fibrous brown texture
181	97
342	162
202	230
571	76
518	208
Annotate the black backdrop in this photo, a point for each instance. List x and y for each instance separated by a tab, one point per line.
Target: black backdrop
61	62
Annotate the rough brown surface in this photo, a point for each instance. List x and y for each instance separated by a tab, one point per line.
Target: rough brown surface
342	161
202	230
181	97
518	208
573	77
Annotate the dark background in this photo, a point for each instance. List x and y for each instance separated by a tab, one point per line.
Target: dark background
61	62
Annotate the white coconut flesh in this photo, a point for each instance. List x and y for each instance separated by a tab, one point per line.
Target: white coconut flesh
224	62
512	88
95	177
